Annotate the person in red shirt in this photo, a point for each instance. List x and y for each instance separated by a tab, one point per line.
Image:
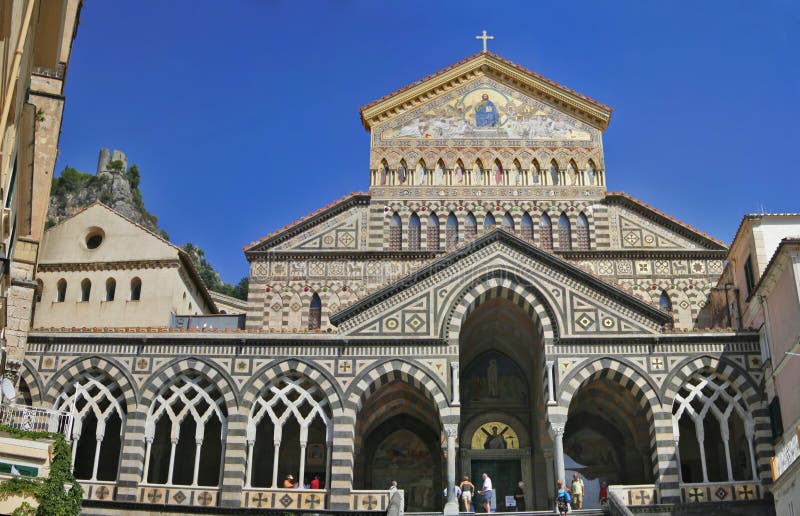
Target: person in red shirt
603	493
315	483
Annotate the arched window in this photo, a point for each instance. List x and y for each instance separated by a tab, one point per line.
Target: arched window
86	289
61	290
470	226
439	173
451	237
508	222
290	415
526	226
413	232
185	427
591	174
458	174
536	173
315	313
421	173
553	173
478	173
564	233
583	232
433	232
517	178
545	232
395	233
111	288
664	301
402	172
715	431
488	221
136	289
498	173
98	407
383	172
571	177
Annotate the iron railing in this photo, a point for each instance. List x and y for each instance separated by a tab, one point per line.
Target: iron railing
36	419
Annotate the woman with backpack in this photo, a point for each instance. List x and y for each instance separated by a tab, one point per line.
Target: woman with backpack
563	498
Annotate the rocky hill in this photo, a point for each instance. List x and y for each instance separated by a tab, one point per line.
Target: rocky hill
116	185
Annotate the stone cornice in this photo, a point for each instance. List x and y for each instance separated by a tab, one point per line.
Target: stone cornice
492	65
109	266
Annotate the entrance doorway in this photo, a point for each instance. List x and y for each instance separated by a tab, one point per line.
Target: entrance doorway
503	430
504	474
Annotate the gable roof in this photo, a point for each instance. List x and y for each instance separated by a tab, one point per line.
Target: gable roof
499	234
303	223
401	99
183	256
669	221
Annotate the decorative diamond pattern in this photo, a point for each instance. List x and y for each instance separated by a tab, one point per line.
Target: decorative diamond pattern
415	322
285	500
179	497
585	321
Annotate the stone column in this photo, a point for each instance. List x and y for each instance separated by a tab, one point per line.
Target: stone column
551	390
557	433
451	430
342	459
666	461
234	463
455	382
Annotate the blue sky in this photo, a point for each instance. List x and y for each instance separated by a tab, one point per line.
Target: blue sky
243	115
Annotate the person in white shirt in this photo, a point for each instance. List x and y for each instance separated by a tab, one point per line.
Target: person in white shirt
486	492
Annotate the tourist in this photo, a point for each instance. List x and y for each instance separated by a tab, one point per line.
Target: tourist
562	498
315	484
289	482
486	492
519	496
577	491
467	488
393	488
603	494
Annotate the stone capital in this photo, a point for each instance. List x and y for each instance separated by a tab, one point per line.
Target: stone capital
451	429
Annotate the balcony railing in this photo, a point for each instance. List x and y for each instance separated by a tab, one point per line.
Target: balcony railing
36	419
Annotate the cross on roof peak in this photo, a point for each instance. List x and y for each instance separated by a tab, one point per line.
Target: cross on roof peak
484	37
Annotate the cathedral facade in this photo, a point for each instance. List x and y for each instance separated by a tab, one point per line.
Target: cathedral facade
486	306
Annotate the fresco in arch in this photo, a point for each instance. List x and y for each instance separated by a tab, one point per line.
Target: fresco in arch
486	111
402	456
494	378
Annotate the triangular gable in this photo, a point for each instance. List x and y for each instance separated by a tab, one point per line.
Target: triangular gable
122	239
338	226
641	226
417	306
491	65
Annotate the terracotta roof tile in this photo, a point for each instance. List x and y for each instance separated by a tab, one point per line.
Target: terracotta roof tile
301	220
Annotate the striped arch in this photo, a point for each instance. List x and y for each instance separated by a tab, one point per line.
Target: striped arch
633	379
500	284
73	370
628	375
726	369
415	375
33	381
261	379
167	373
744	384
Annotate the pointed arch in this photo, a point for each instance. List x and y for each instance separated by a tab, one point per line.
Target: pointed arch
440	174
414	232
459	176
470	226
383	173
395	233
421	173
508	222
99	408
478	173
294	312
498	173
554	173
564	233
488	221
517	174
571	177
315	312
273	311
402	172
451	235
406	370
186	424
536	173
433	232
590	174
664	301
545	232
582	233
526	227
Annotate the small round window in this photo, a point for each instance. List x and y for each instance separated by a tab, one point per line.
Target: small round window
94	238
